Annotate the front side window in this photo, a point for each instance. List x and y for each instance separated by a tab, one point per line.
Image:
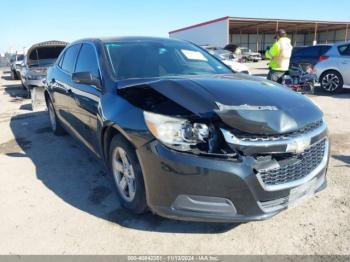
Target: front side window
70	57
161	59
87	61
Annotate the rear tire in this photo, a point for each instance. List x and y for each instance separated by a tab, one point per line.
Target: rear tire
23	86
56	126
14	75
331	81
126	172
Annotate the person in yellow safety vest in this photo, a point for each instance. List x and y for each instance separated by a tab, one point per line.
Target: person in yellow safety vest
279	55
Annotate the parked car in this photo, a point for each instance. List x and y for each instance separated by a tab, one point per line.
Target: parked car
37	59
185	136
262	52
210	48
248	55
16	62
309	55
228	59
333	70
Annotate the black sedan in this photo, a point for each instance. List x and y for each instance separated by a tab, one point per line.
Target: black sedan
185	136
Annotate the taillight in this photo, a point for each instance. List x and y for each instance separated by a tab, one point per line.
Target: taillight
323	57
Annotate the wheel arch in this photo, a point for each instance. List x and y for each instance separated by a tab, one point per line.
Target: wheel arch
329	70
47	96
107	134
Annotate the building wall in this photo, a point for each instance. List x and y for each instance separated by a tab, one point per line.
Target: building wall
211	34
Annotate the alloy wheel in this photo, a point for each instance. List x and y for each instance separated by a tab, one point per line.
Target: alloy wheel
123	173
330	82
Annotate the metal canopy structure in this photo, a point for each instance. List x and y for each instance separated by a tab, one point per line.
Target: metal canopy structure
258	33
250	25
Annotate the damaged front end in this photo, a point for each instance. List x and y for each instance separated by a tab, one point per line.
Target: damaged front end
282	155
177	127
282	151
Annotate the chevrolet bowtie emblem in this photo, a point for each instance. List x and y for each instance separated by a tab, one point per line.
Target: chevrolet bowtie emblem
298	146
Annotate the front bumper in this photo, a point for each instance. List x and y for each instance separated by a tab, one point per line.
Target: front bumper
30	83
197	188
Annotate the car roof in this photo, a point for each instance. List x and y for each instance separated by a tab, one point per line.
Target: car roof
342	43
128	39
308	46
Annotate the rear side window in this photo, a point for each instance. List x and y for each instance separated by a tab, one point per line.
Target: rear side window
69	58
311	51
324	49
344	50
87	60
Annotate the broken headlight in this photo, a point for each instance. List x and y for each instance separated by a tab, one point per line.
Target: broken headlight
177	133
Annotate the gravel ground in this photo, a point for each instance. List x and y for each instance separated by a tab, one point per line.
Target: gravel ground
55	198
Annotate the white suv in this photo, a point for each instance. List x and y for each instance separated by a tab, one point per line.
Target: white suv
333	71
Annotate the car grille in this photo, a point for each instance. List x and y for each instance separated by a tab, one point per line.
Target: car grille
262	138
300	166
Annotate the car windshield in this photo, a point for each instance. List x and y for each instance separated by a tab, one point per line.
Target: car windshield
161	59
223	54
44	56
20	57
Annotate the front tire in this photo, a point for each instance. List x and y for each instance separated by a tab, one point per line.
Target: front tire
56	126
127	174
14	75
331	81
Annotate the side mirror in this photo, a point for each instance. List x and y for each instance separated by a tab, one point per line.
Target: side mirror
86	78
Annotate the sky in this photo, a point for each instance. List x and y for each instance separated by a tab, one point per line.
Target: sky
25	22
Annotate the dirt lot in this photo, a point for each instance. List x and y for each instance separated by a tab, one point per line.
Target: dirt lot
56	199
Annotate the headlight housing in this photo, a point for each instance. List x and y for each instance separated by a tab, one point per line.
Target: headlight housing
175	132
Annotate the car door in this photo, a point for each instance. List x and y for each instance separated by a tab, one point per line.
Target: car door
61	84
87	97
344	63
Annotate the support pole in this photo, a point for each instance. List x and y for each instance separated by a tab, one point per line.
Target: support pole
240	37
315	35
346	32
295	35
257	39
277	25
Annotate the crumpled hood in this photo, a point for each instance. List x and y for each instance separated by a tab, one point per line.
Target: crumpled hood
247	103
